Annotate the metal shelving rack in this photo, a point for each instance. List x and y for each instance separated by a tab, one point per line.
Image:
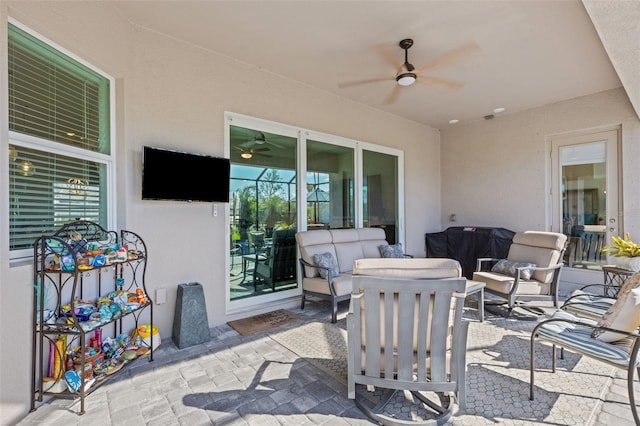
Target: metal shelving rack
61	282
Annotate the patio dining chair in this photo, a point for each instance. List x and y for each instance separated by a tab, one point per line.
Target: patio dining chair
612	339
257	244
280	259
406	332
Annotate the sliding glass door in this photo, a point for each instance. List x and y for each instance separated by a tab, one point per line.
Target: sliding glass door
330	195
262	212
380	193
284	180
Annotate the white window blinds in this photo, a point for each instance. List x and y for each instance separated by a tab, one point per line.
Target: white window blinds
54	97
59	103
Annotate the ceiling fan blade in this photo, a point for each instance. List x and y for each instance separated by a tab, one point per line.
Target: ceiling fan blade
359	82
448	57
438	82
388	56
260	149
393	96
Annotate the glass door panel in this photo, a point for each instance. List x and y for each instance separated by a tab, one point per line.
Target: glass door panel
380	193
586	182
262	211
330	186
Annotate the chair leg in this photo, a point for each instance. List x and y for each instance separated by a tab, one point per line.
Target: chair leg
334	311
377	413
531	367
632	397
302	302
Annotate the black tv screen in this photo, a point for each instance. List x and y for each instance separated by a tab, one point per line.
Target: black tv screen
181	176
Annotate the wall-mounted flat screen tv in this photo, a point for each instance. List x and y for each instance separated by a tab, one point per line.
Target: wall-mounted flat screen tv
181	176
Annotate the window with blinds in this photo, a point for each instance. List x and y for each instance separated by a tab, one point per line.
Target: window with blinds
60	144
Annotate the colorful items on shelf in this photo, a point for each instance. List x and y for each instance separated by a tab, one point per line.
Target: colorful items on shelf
145	331
107	308
58	353
87	255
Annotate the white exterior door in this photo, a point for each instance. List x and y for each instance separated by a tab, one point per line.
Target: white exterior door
584	198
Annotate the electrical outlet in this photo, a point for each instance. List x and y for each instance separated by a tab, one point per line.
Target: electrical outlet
215	210
161	296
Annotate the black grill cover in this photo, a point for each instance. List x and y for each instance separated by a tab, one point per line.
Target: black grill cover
467	244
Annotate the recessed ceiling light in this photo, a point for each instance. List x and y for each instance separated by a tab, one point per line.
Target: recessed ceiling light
454	121
498	110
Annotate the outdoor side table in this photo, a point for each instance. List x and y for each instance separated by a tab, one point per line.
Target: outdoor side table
614	277
477	287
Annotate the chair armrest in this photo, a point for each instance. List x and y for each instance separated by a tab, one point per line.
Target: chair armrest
311	265
536	268
632	334
355	298
543	268
480	263
568	300
602	286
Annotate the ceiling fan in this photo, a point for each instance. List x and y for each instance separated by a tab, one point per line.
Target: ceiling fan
248	150
259	139
408	74
254	146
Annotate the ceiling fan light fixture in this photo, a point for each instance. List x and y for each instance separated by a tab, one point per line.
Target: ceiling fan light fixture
260	139
406	79
246	155
26	168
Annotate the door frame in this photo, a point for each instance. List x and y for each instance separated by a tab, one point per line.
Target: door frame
614	202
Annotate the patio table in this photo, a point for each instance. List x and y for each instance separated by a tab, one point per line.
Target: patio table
477	287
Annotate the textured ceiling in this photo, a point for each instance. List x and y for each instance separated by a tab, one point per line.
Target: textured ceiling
532	53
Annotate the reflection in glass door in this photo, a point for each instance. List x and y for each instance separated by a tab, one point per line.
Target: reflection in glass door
586	180
330	193
380	193
262	211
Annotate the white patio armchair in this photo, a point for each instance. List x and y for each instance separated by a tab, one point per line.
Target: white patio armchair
531	271
406	332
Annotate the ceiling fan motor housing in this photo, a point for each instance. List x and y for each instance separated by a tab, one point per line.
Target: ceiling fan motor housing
406	43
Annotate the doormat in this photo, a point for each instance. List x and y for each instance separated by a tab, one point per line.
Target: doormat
263	322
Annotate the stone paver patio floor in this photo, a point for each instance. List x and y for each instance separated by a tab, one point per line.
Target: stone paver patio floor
269	379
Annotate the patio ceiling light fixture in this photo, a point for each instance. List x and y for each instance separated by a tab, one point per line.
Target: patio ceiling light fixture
406	79
26	168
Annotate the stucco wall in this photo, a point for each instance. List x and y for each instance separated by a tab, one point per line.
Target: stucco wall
494	172
174	94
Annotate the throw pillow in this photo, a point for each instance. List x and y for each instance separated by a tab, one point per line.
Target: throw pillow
326	260
393	251
624	314
508	267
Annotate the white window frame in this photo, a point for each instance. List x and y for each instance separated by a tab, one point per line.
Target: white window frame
45	145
